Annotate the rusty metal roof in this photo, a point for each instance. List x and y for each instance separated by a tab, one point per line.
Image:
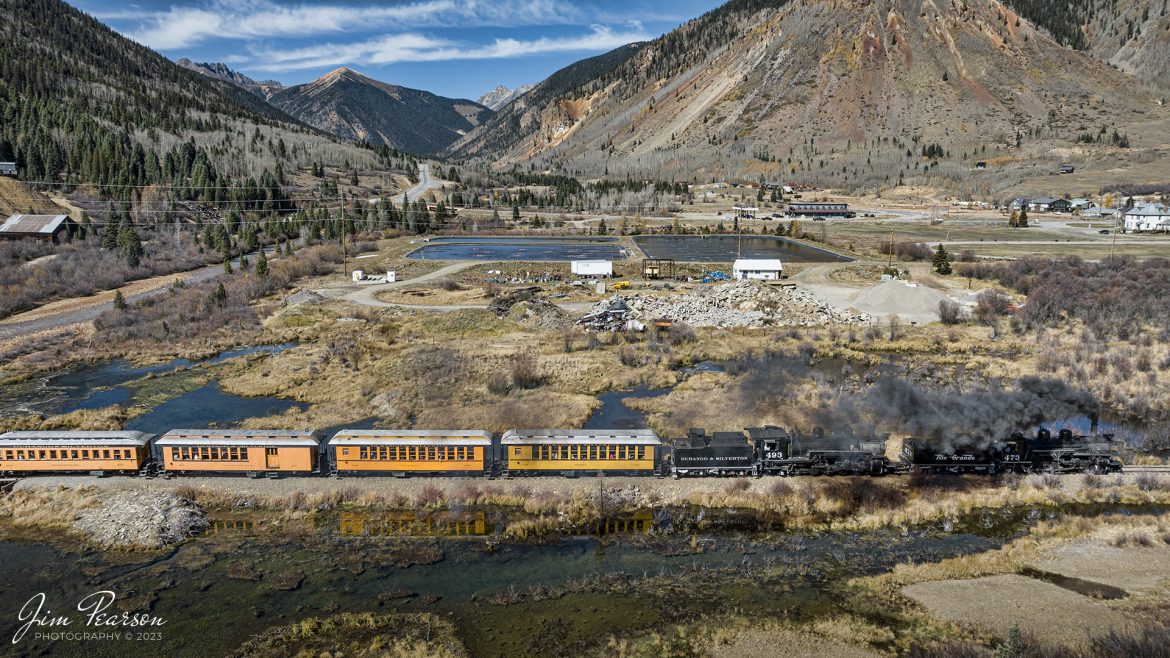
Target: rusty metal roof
33	224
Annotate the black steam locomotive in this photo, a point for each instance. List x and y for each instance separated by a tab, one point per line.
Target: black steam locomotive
1044	453
773	450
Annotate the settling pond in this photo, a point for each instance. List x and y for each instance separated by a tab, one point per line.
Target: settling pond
521	249
724	248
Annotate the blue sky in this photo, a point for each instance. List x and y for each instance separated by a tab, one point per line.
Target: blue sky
459	48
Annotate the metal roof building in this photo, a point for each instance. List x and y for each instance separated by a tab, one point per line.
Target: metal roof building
41	227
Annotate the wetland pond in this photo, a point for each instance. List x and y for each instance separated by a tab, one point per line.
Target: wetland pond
198	403
633	574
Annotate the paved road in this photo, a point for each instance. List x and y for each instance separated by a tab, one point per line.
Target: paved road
89	313
425	182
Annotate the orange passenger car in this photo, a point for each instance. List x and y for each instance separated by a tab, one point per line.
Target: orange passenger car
238	451
458	452
73	451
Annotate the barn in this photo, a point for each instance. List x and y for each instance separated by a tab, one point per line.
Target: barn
51	228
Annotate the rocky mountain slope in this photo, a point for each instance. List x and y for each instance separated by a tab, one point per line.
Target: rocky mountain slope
852	91
351	105
1133	35
220	71
501	96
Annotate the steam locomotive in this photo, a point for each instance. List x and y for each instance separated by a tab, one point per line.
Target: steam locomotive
772	450
1043	453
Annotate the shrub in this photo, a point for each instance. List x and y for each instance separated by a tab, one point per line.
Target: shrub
680	333
524	371
498	383
949	311
450	285
990	305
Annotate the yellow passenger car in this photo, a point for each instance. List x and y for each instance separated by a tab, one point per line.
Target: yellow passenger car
238	451
580	451
405	452
73	451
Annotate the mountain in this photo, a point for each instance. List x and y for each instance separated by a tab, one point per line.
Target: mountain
844	92
553	102
82	103
501	96
350	105
220	71
1133	35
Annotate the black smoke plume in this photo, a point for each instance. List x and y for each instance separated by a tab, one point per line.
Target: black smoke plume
973	419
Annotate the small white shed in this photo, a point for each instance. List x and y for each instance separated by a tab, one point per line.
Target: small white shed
592	268
764	268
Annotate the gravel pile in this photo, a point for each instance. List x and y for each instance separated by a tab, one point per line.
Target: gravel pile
897	297
738	304
141	519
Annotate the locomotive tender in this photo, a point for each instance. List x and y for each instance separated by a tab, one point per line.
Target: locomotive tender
756	451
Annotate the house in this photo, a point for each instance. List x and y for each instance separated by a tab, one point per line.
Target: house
8	169
796	209
1097	212
1041	204
592	269
745	212
1080	203
1018	203
52	228
1147	217
768	269
1060	205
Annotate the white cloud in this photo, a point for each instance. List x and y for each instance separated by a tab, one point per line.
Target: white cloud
408	47
183	26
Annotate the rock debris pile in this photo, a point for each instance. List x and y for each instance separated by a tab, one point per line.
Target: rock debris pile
141	519
733	304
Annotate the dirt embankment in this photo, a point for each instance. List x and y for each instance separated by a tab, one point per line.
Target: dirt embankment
18	198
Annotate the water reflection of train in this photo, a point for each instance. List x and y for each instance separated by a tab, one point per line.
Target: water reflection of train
408	523
364	452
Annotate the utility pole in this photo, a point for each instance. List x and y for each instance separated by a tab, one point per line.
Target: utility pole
344	267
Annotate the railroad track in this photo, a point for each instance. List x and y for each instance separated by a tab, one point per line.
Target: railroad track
1145	469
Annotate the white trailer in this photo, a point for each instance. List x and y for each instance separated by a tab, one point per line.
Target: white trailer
594	269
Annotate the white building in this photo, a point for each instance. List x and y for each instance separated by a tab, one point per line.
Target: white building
767	269
594	269
1147	217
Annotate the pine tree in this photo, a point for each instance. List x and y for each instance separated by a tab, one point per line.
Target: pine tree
131	245
941	262
262	265
218	297
1022	222
119	301
515	213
